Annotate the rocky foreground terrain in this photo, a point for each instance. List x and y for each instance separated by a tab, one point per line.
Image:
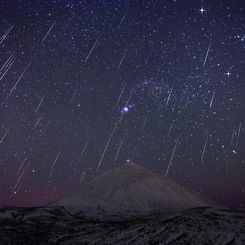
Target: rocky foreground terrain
54	225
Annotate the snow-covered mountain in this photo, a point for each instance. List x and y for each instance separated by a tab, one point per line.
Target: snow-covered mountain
129	191
118	194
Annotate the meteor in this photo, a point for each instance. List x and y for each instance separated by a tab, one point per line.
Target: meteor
7	66
49	30
45	128
84	148
41	101
130	96
74	95
144	123
6	34
90	52
119	148
204	148
239	131
169	96
5	134
18	182
211	102
120	94
121	61
22	74
170	128
205	60
53	165
172	155
38	121
21	165
106	146
7	62
123	18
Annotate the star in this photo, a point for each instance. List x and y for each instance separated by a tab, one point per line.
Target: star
228	73
125	109
202	10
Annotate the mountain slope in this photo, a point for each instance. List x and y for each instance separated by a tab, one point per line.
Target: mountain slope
50	225
130	191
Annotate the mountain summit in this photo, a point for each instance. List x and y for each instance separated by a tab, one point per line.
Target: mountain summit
130	190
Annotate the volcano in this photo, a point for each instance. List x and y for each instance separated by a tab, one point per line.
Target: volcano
126	205
128	191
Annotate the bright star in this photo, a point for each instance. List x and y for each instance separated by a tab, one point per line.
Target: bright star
228	73
202	10
125	109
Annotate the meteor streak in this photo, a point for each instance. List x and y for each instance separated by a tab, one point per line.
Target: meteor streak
239	131
84	148
205	60
170	128
7	65
92	49
130	96
172	155
120	94
211	102
144	123
49	30
21	165
106	146
119	148
169	96
204	148
22	74
121	61
18	181
5	134
123	18
41	101
38	121
74	95
53	165
45	128
6	34
7	62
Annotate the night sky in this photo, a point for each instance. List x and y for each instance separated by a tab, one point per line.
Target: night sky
90	85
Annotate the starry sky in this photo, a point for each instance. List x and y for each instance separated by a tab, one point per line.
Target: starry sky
90	85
